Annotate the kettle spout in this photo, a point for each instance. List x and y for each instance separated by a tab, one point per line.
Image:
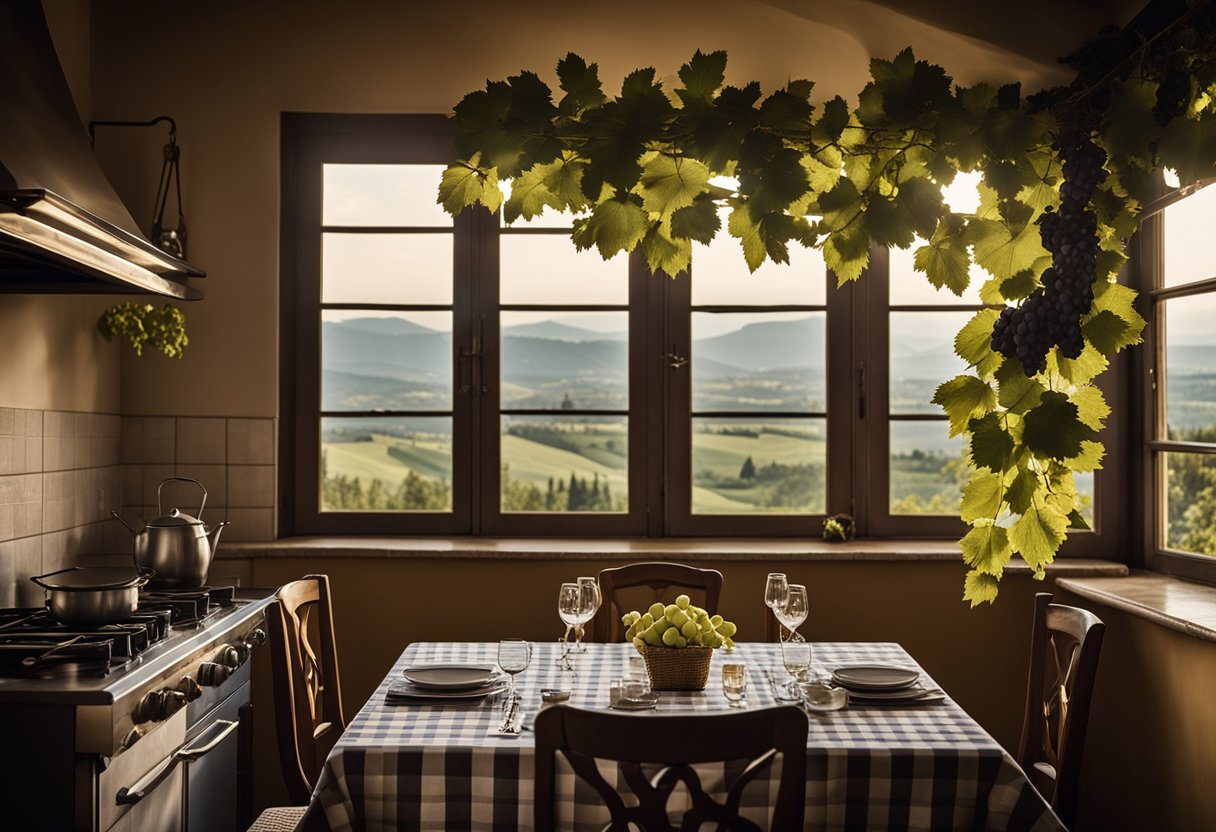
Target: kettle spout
130	528
213	536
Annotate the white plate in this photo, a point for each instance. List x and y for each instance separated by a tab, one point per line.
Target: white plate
901	695
404	691
450	676
872	677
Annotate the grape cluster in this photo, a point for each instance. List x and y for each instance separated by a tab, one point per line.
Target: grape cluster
1051	316
677	625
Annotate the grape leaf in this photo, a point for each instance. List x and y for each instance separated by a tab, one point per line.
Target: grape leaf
529	194
981	496
702	76
1090	458
665	255
986	549
980	588
1106	331
741	225
1092	408
614	225
699	221
670	183
887	225
1128	126
847	252
1053	429
1081	370
1001	250
1015	391
991	445
1188	145
841	205
973	343
1022	491
581	83
787	114
946	259
465	183
964	398
565	181
1038	534
1114	300
1077	521
832	123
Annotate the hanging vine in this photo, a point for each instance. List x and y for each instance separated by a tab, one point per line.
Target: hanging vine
1065	174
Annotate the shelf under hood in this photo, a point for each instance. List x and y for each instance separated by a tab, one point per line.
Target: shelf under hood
63	229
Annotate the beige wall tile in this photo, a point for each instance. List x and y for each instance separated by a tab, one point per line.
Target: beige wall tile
153	476
249	524
250	441
202	440
149	439
251	486
235	572
27	562
213	478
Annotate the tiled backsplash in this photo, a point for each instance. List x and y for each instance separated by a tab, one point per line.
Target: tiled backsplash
62	473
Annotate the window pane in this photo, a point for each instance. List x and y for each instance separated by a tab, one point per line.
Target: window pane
547	269
758	361
386	361
565	463
928	471
772	466
565	360
922	357
386	464
909	286
1188	228
1190	368
720	276
1190	502
1085	490
382	195
386	268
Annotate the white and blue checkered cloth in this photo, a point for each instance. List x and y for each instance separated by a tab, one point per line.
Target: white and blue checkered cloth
442	767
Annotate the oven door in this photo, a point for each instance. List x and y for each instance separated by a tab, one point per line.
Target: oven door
212	783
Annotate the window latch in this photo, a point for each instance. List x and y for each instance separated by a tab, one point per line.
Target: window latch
674	360
469	355
861	390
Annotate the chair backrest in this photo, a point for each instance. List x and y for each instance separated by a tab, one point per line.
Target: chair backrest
1064	647
673	744
307	692
664	581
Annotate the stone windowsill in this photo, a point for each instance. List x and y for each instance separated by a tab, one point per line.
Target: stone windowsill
1179	605
474	548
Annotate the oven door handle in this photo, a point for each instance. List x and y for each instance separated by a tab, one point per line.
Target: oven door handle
130	795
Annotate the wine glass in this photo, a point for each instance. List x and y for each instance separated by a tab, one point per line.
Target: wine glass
569	609
796	656
734	684
776	591
794	613
514	656
590	598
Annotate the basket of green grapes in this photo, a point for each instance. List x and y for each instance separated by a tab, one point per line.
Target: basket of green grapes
677	641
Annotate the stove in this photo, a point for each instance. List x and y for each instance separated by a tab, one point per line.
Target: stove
131	725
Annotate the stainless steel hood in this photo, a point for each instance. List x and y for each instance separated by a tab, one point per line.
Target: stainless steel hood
63	229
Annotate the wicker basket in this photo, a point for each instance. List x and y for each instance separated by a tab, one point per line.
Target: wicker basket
677	668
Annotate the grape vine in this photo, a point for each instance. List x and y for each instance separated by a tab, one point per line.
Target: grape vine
1065	176
141	323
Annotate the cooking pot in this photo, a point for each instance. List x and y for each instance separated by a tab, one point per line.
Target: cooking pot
176	546
93	594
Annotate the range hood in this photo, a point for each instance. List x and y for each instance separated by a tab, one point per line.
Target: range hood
63	229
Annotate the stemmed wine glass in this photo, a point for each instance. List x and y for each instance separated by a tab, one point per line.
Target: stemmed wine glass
569	609
514	656
589	598
776	591
796	656
795	611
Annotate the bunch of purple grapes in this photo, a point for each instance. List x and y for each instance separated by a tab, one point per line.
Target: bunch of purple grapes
1051	316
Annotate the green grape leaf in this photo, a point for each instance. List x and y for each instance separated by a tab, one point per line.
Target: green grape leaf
986	549
887	224
1092	408
1113	300
1015	391
1090	458
1188	145
841	205
946	259
847	252
787	113
920	205
964	398
1128	126
991	445
614	225
1077	521
670	183
1037	535
565	181
1081	370
581	83
530	195
1023	490
466	183
1020	286
835	117
741	226
702	76
1053	429
980	588
699	221
981	496
716	131
973	343
770	175
663	254
1106	331
1001	250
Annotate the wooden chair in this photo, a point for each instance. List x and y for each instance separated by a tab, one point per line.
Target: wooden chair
1064	648
664	580
307	694
674	744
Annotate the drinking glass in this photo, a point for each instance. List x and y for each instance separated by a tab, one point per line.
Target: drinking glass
734	684
569	609
776	591
514	656
589	598
794	613
796	656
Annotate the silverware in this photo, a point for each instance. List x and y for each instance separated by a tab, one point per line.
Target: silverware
780	692
508	727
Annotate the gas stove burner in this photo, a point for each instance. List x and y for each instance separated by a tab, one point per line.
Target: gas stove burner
187	606
39	654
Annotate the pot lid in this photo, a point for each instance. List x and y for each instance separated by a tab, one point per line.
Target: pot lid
174	518
82	578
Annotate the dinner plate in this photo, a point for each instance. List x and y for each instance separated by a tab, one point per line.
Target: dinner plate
450	676
406	691
900	695
874	677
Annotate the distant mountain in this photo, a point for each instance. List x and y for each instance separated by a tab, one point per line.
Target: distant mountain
386	326
767	345
558	331
1191	359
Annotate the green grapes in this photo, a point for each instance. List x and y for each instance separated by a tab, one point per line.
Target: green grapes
727	628
671	636
140	323
682	601
657	610
690	628
678	625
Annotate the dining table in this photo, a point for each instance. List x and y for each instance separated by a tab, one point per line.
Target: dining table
443	766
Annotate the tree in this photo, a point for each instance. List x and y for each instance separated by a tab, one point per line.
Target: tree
748	471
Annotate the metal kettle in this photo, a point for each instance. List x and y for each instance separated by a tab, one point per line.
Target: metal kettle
177	546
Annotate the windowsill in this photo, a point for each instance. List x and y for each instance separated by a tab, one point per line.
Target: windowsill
475	548
1179	605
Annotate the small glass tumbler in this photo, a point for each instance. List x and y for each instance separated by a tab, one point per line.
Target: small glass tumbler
637	668
615	691
734	684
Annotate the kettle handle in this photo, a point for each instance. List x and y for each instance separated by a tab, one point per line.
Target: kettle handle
160	510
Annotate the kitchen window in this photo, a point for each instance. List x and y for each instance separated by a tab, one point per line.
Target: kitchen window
463	376
1181	378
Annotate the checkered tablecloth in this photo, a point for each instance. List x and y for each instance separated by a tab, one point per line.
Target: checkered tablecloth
431	767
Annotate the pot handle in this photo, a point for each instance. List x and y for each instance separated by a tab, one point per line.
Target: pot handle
146	574
160	510
38	578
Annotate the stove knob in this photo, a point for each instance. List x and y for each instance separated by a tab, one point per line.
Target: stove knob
256	637
172	702
229	657
211	674
132	737
189	688
148	708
